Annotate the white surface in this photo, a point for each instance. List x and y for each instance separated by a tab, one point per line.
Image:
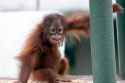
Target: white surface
64	4
62	49
17	5
44	4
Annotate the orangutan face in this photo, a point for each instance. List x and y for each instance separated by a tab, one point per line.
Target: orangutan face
54	28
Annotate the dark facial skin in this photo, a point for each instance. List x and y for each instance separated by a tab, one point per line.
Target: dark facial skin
56	33
55	29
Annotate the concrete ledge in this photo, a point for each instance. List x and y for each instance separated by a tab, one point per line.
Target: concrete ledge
66	79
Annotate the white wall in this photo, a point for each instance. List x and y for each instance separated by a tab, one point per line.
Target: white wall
64	4
6	5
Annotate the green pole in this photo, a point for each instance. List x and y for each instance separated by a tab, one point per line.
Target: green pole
121	40
102	41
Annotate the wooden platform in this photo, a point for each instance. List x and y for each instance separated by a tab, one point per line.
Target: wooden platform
66	79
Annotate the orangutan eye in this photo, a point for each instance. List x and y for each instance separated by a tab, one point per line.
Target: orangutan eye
52	30
60	30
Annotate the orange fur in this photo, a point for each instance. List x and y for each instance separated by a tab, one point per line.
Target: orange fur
41	58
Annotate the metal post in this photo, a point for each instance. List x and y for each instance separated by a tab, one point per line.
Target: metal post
102	41
121	40
37	5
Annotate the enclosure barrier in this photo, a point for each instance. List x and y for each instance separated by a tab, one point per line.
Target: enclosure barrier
102	41
121	40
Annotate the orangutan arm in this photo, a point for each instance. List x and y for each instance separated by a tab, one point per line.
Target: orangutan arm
24	73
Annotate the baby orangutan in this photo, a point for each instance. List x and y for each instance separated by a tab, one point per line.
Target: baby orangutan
41	57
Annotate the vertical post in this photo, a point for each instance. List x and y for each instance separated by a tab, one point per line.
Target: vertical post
121	40
102	41
37	5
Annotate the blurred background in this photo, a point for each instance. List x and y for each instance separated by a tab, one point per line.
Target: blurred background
19	17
